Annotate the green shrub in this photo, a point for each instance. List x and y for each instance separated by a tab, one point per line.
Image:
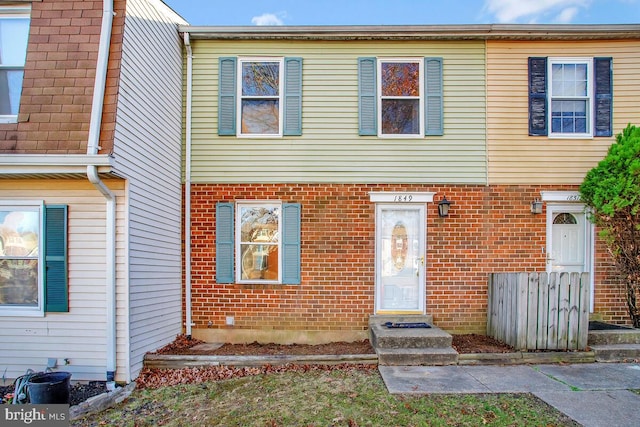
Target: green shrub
612	193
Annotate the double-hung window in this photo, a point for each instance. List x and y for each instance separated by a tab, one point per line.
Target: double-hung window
14	35
570	97
260	96
400	97
258	242
33	252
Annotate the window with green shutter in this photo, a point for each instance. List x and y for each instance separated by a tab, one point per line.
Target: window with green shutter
55	259
33	258
400	97
261	246
260	97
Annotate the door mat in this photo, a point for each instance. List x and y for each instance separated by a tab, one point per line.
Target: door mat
595	325
407	325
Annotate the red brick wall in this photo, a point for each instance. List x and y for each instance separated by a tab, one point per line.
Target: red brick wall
489	229
55	106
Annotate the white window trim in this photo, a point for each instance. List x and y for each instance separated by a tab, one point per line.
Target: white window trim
420	98
280	61
590	96
238	225
37	311
20	12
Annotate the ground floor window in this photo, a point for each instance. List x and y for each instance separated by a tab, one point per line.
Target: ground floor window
258	242
32	258
20	227
258	239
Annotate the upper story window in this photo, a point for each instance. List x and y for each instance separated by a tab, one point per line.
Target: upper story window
400	88
260	96
400	97
14	35
571	93
260	106
570	97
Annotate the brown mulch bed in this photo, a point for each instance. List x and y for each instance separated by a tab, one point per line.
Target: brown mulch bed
152	378
474	343
465	343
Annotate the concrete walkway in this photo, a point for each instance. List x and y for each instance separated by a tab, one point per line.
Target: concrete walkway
593	394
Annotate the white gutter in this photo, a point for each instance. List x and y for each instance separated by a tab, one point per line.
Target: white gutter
187	190
92	174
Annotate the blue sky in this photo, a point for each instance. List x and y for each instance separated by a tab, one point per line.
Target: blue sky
406	12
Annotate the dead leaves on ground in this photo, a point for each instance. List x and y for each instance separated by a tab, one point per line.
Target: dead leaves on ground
155	378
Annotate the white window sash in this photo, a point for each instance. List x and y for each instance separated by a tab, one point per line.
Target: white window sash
420	98
590	104
238	239
35	311
241	97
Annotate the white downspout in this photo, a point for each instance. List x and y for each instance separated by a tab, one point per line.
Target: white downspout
187	190
92	174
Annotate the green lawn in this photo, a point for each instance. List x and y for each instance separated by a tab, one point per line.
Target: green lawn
319	398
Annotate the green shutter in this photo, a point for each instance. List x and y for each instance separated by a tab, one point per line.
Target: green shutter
433	109
227	96
604	96
537	96
291	243
224	242
367	98
292	96
55	259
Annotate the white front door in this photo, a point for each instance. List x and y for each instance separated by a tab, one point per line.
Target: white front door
569	241
569	237
400	256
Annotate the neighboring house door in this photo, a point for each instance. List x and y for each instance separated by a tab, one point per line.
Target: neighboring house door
400	257
569	240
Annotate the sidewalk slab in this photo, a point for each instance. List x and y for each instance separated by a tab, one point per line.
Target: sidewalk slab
429	379
596	376
593	394
608	408
466	379
514	379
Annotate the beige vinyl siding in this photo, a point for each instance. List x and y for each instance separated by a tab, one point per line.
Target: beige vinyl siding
147	151
517	158
80	334
330	149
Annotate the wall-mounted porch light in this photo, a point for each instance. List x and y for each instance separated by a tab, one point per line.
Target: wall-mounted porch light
443	207
536	207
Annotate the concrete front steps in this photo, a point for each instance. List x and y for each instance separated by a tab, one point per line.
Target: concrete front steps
615	345
410	346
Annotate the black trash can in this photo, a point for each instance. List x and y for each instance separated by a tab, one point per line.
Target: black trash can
49	387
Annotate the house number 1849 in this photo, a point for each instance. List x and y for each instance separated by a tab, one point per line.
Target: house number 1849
403	198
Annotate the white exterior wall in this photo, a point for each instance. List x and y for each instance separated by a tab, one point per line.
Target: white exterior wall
147	151
80	334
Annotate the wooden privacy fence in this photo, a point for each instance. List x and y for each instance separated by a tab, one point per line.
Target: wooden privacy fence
539	311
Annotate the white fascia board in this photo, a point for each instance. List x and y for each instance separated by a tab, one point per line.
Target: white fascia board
13	164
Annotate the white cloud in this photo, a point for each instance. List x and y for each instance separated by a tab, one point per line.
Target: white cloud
566	15
514	11
268	19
